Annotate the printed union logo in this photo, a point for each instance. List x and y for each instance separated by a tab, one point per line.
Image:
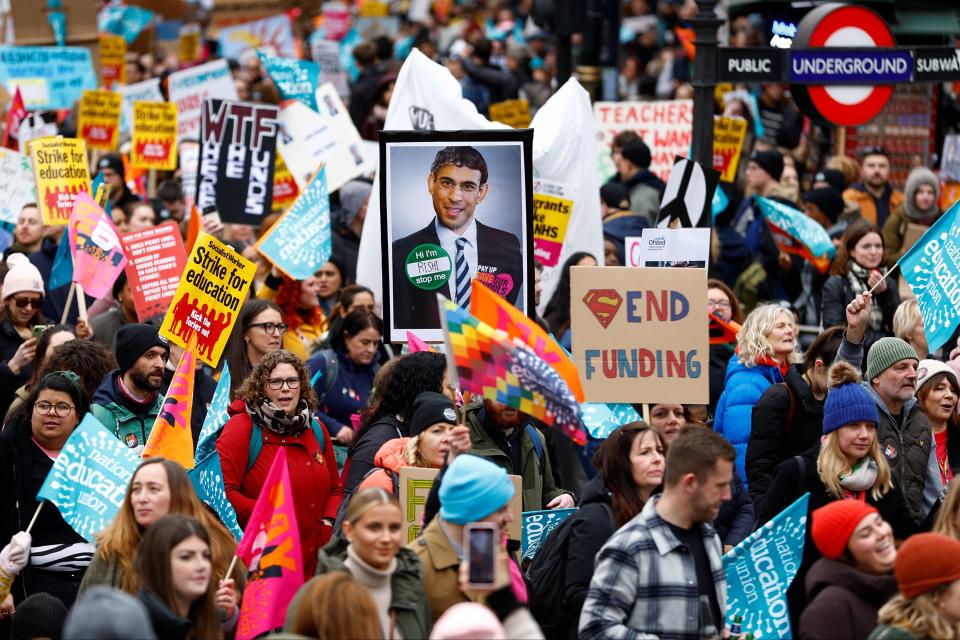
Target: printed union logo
603	304
421	119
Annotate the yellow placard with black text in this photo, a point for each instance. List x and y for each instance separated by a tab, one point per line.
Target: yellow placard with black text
728	137
99	120
60	171
154	144
113	59
515	113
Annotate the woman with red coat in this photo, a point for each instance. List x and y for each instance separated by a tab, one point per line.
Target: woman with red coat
274	409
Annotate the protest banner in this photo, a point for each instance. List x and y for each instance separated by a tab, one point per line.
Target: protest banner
15	116
113	59
537	525
285	188
728	137
48	77
415	344
189	163
98	257
17	186
603	418
154	144
326	53
552	206
295	79
99	119
689	247
513	113
273	35
666	126
642	337
60	171
795	232
760	569
299	242
171	436
189	90
156	259
126	21
237	158
326	136
89	478
188	44
207	300
146	91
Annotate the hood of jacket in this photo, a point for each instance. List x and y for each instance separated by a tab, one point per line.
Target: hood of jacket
867	586
107	395
647	177
390	456
920	176
595	492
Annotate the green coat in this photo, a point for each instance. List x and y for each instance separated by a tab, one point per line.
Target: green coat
407	598
537	483
101	572
892	632
132	429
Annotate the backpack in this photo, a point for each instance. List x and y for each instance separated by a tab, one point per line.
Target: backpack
342	511
329	373
256	441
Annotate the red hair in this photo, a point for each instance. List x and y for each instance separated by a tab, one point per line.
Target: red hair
288	299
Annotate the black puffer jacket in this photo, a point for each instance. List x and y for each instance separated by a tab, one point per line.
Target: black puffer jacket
366	445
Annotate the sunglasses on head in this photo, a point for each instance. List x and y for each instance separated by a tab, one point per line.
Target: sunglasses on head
23	303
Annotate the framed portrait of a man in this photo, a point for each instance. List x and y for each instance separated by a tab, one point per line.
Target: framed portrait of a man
455	206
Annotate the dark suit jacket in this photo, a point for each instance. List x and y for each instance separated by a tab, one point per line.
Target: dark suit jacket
501	262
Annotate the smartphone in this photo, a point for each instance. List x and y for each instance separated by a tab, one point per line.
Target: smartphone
211	213
481	553
38	330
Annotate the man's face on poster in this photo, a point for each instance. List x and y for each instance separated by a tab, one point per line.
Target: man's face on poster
456	192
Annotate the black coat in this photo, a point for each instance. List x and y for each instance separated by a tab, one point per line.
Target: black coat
56	299
844	601
498	252
773	439
166	624
10	341
366	445
838	293
737	516
720	355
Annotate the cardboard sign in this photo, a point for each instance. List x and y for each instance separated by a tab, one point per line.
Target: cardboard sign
146	91
99	120
208	299
639	334
666	126
668	248
48	77
98	256
17	186
60	171
272	35
190	88
156	261
537	525
728	137
514	113
239	145
552	207
113	59
154	144
285	188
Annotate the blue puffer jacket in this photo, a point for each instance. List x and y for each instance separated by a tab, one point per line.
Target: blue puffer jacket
743	388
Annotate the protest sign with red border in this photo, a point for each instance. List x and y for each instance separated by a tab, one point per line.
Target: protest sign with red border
157	260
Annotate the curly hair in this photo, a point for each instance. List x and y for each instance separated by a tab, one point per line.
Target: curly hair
412	374
88	359
254	388
288	299
752	343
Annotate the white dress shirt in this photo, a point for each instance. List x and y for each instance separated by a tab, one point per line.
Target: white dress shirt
448	240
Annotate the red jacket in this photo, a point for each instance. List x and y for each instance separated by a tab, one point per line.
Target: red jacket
314	477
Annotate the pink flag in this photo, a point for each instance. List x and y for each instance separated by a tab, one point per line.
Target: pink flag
98	257
271	550
416	344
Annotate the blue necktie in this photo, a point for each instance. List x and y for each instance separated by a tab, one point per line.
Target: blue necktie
463	275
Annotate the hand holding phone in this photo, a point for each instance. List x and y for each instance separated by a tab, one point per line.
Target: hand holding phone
481	544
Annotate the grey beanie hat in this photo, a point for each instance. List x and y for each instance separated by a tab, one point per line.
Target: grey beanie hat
353	195
917	177
885	353
107	614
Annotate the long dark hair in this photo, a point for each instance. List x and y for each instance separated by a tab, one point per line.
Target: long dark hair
354	322
854	234
412	374
236	350
65	381
612	459
557	312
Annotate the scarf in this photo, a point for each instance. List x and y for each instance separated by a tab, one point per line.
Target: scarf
276	419
861	478
858	276
770	361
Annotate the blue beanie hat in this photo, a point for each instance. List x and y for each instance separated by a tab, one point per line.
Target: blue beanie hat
847	401
473	488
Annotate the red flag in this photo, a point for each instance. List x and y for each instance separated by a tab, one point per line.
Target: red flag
15	116
722	331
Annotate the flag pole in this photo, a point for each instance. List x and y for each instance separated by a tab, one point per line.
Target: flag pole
66	307
233	564
893	269
35	514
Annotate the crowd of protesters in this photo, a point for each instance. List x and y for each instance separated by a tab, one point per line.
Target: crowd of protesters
829	388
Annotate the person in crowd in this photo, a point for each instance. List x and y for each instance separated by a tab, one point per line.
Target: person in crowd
928	605
128	399
874	194
108	614
259	330
788	418
721	302
182	595
158	487
352	298
797	274
331	278
508	438
334	605
629	589
23	292
38	616
29	444
111	169
376	119
948	516
858	268
28	232
172	201
908	326
645	189
921	206
854	578
300	308
503	83
766	347
557	311
347	223
763	172
88	359
938	391
781	120
365	86
274	409
140	216
106	325
371	552
47	343
388	415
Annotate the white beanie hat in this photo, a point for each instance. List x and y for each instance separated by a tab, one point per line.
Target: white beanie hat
929	368
22	276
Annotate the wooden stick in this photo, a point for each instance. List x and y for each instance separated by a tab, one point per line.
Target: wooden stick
35	514
82	302
233	564
646	412
152	183
66	307
893	269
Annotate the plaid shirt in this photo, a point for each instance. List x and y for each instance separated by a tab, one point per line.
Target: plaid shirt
645	583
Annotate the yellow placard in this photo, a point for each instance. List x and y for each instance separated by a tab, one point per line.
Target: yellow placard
728	136
374	9
515	113
208	299
154	144
552	207
113	59
99	119
60	170
285	188
189	46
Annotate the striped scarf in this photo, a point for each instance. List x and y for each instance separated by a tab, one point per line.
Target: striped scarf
858	276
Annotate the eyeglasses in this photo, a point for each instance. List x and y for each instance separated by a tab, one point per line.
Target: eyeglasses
717	304
271	327
61	409
277	383
466	188
23	303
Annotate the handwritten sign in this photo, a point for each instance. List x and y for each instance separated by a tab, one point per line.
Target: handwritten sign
60	170
48	77
154	135
99	120
666	126
189	89
16	184
156	261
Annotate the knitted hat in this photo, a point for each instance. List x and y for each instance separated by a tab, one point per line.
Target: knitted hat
118	285
834	523
108	614
833	177
847	400
769	161
430	408
111	161
885	353
828	200
468	620
473	488
22	276
353	195
926	561
920	176
615	195
38	616
638	153
134	340
929	368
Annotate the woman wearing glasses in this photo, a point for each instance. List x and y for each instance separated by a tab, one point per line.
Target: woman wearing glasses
29	444
274	409
299	301
721	302
259	330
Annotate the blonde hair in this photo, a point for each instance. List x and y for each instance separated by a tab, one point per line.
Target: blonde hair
413	455
846	165
919	615
906	318
948	519
832	463
363	501
752	343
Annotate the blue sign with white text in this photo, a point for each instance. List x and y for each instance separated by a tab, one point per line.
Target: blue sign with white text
838	66
48	77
